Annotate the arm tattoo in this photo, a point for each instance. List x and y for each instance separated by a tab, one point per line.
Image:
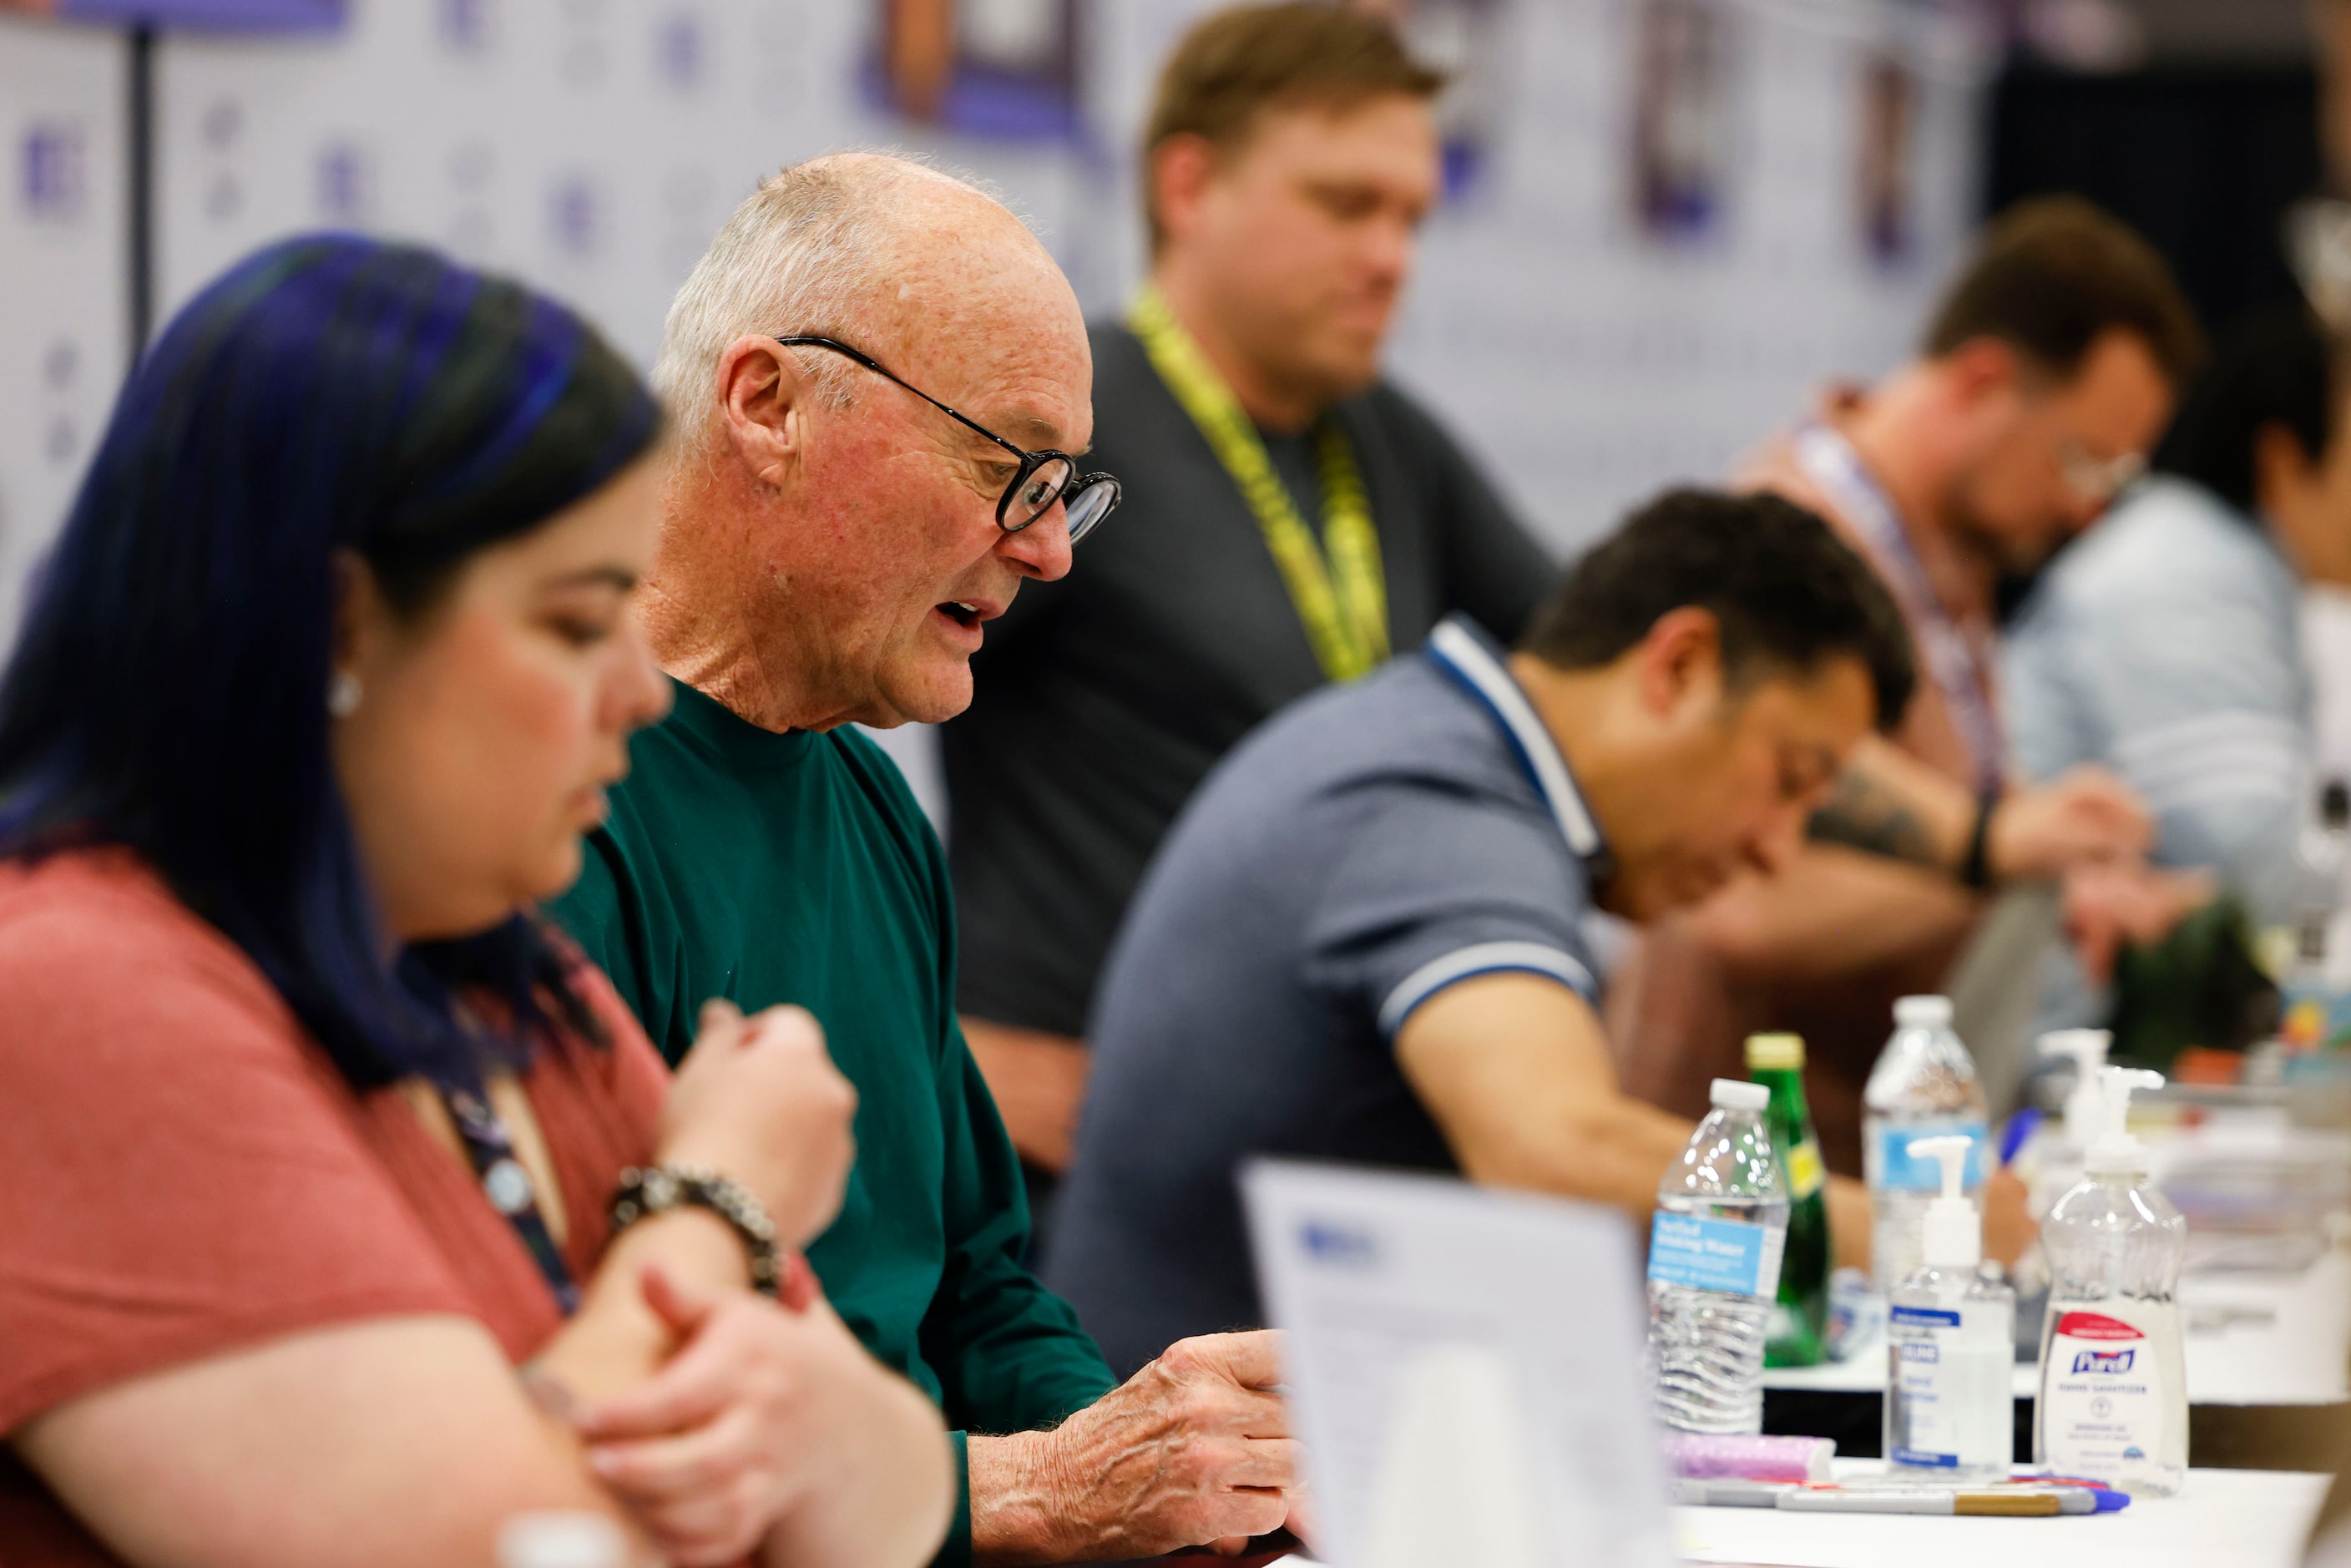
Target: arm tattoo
1864	814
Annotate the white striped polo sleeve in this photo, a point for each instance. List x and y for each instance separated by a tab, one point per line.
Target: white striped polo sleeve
1484	959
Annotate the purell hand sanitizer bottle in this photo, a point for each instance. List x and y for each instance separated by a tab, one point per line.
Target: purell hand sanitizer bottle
1950	1414
2114	1389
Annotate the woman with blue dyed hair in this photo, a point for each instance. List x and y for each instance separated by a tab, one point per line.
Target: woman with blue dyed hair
315	1134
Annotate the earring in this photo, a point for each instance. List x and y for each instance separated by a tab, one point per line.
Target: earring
342	694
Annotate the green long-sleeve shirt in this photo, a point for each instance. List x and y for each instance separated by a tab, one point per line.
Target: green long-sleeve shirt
797	868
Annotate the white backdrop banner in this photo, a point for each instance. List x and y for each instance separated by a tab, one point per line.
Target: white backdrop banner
1670	220
64	288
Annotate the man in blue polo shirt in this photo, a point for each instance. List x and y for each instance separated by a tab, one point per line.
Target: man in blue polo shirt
1367	938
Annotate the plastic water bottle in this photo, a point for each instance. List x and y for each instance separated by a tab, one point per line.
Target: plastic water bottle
1950	1416
1714	1267
2312	981
2114	1384
1924	1086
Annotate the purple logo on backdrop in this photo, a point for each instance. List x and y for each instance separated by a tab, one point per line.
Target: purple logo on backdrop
55	169
60	363
677	49
342	184
572	214
466	24
223	123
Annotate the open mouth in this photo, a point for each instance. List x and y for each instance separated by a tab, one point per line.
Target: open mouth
963	615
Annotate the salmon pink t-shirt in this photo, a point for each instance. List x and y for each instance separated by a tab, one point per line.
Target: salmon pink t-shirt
189	1174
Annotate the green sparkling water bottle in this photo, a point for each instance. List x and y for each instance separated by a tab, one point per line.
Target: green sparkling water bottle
1799	1317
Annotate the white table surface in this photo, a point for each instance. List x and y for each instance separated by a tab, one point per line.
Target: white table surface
2222	1519
2251	1339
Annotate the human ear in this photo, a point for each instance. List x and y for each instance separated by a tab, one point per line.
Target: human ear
1182	168
2282	471
762	407
1984	370
1680	661
363	621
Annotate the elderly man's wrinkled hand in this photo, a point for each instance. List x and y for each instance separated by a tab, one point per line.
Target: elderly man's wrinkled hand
1192	1450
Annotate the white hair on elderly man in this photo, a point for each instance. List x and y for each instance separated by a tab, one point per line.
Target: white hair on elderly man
804	253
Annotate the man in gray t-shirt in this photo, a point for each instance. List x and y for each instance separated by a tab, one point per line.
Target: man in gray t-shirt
1366	937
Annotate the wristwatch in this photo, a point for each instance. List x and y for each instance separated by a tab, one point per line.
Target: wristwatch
1975	871
657	1190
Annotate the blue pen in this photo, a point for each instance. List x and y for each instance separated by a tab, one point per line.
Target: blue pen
2109	1500
2020	1127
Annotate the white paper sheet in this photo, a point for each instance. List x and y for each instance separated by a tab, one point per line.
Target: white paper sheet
1465	1367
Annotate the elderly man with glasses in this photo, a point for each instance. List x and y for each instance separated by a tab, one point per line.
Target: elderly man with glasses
878	378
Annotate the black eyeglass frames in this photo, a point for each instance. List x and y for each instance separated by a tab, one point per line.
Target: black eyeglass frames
1044	478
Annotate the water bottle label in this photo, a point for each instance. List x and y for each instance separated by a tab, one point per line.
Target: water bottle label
2313	1016
1729	1257
2102	1395
1898	1172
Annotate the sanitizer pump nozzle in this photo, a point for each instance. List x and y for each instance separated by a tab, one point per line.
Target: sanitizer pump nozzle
1953	1232
2116	1152
2087	1047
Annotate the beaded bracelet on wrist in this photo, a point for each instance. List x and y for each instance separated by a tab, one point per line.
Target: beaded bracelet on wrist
644	1192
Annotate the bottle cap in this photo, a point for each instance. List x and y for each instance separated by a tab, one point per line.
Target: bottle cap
1953	1234
1775	1053
2087	1047
1922	1012
2116	1152
1731	1095
562	1541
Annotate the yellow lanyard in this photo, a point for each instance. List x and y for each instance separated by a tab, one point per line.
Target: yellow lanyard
1338	586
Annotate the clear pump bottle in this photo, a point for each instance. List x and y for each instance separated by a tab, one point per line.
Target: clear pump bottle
2113	1387
1924	1085
1950	1410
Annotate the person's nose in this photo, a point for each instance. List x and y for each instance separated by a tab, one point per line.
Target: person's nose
1041	550
640	693
1389	251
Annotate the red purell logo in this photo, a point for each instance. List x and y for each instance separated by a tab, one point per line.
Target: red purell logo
2095	1325
2098	1326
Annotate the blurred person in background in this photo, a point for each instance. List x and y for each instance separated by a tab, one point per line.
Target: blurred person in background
316	1126
1292	518
2165	645
2049	370
877	374
1366	938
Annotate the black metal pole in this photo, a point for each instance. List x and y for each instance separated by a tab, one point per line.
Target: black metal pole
140	128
